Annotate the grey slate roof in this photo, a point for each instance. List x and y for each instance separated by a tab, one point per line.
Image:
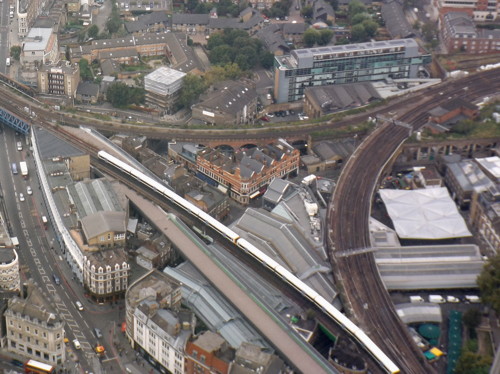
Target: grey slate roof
469	175
190	19
294	28
146	20
101	222
228	96
272	38
92	196
128	52
395	20
50	146
87	89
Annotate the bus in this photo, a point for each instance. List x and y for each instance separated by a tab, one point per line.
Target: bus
14	168
37	367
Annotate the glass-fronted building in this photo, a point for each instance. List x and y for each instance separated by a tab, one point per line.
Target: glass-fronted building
342	64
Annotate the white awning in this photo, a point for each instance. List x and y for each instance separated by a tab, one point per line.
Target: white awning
424	214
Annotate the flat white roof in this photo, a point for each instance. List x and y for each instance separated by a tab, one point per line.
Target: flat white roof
424	214
37	39
492	164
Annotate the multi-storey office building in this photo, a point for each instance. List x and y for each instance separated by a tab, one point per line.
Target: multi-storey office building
350	63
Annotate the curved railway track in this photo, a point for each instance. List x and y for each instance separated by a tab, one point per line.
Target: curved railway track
349	210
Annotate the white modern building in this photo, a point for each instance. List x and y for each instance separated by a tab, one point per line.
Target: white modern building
39	47
162	88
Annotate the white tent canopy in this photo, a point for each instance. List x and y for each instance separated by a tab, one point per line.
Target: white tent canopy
424	214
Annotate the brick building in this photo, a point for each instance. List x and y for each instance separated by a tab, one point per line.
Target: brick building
481	10
453	109
247	173
208	353
461	35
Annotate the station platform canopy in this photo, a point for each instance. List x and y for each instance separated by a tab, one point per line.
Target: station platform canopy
424	214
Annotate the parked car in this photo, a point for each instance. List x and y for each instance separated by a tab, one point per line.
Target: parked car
98	333
76	343
270	115
264	118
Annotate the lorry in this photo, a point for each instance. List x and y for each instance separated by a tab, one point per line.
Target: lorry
436	299
24	168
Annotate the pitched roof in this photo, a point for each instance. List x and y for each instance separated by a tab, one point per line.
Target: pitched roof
87	89
102	222
228	96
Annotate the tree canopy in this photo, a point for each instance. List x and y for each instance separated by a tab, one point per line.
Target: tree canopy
192	87
85	71
15	52
120	95
235	46
489	283
93	31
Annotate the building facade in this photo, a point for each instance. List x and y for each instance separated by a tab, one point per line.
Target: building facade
485	215
27	11
372	61
481	10
247	174
33	329
162	88
58	80
9	270
208	353
461	35
40	47
105	274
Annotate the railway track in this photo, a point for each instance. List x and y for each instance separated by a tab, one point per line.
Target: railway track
365	294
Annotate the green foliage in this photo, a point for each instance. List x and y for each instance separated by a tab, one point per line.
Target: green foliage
311	36
114	21
15	52
120	95
464	127
325	36
472	318
266	60
219	73
355	7
370	27
279	9
93	31
307	11
192	87
429	31
85	71
234	46
358	33
359	18
489	283
473	363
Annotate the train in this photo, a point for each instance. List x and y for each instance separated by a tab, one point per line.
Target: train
260	256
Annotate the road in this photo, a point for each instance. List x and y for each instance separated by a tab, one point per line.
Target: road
40	257
4	35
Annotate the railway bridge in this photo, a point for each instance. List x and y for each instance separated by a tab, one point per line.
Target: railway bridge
249	142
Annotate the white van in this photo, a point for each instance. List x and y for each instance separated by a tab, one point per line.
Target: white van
416	299
436	299
76	343
7	61
472	298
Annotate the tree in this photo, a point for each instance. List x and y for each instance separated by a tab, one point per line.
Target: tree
371	27
120	95
359	18
266	60
311	36
114	22
223	72
85	72
358	33
489	283
472	318
429	31
215	40
325	36
15	52
93	31
221	54
307	11
473	363
355	7
192	87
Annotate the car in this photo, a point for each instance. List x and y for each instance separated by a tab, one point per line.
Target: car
66	340
264	118
56	279
29	191
76	343
79	305
270	115
98	333
21	197
297	7
277	18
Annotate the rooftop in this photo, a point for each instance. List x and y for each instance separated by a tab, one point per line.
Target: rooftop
37	39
